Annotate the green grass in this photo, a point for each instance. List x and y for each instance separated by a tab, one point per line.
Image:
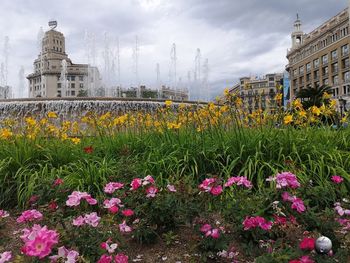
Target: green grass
312	153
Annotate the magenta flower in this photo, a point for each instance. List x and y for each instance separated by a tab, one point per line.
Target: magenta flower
171	188
110	188
298	204
287	179
239	180
287	197
216	190
151	191
109	247
205	228
337	179
215	233
128	212
58	182
29	215
38	241
4	214
121	258
124	228
105	259
136	184
254	222
5	256
207	184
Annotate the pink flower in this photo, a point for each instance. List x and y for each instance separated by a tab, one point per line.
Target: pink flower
109	247
5	256
148	180
89	219
33	199
105	259
121	258
216	190
207	184
298	204
215	233
92	219
287	197
307	243
287	179
112	202
70	256
151	191
205	228
79	221
341	211
110	188
38	241
128	212
58	182
306	259
171	188
239	180
253	222
29	215
4	214
337	179
124	228
75	198
135	184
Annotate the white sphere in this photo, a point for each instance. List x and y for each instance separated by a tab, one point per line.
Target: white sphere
323	245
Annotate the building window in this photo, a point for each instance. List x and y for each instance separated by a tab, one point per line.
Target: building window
347	77
334	54
326	82
325	59
308	67
81	78
346	63
325	71
72	85
345	50
335	80
295	72
316	63
72	78
308	77
58	85
73	92
316	74
81	85
335	68
301	70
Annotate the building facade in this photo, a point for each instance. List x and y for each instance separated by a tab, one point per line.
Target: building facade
55	75
321	57
259	93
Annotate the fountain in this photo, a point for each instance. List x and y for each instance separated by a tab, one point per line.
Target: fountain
63	79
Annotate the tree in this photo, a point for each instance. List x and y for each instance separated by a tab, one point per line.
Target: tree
314	96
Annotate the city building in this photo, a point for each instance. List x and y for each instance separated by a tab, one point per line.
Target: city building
259	93
5	92
55	75
321	57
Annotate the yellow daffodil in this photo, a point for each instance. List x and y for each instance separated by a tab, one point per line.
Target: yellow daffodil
288	119
51	115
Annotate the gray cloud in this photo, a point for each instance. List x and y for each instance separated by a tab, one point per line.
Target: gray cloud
238	37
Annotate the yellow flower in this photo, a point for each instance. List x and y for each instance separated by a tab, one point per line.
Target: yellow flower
315	110
278	97
226	92
288	119
75	140
297	104
5	134
344	119
168	103
51	115
326	96
30	121
302	113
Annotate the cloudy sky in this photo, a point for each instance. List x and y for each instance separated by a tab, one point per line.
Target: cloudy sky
237	37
